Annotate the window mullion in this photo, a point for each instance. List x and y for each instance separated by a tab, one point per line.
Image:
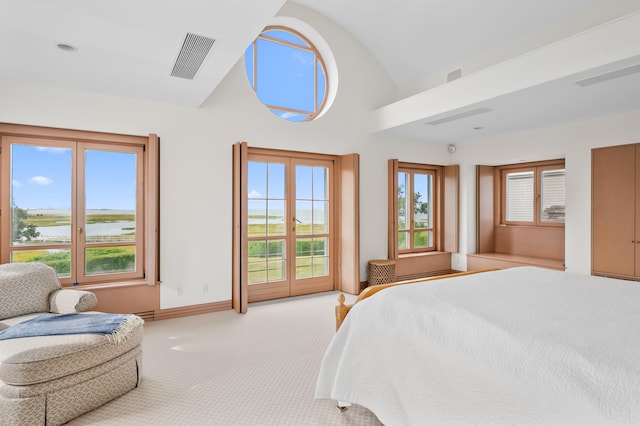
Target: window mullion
285	109
286	43
315	83
77	207
255	66
536	198
409	208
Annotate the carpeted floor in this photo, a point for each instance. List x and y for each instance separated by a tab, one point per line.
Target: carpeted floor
229	369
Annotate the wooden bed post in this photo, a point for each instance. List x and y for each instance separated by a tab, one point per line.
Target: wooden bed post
341	311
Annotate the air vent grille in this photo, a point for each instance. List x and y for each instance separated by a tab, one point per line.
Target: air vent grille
146	315
609	76
454	75
194	50
458	116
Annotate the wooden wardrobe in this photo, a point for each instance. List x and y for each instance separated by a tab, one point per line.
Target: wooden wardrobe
615	212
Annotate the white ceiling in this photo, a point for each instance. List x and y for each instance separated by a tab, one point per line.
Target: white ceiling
555	102
128	48
414	37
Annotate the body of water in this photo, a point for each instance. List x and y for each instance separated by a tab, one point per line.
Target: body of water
303	215
91	230
62	212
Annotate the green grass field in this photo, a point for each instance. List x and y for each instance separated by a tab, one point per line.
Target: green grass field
61	220
266	262
97	259
272	270
260	229
311	260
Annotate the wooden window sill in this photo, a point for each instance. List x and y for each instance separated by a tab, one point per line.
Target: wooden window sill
426	253
117	284
502	260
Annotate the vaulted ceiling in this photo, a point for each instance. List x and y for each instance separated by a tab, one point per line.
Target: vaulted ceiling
518	61
126	47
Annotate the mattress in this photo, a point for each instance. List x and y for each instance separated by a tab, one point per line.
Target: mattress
517	346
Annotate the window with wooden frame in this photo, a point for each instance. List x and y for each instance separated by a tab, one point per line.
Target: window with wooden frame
417	205
287	73
532	194
423	208
85	203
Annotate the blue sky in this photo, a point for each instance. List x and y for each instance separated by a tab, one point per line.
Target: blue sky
285	75
42	178
267	180
267	198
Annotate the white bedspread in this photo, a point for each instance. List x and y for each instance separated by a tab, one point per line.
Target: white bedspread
517	346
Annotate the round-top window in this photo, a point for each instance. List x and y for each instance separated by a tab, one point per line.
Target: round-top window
287	73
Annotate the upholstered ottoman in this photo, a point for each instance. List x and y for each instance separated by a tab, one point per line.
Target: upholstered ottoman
53	379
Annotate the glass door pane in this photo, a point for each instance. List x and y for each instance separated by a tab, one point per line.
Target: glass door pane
553	195
519	196
110	221
266	218
403	223
41	201
422	210
312	221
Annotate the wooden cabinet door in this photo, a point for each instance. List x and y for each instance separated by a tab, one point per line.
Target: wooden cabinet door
614	211
637	210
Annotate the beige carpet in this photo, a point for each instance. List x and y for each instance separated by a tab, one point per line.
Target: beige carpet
229	369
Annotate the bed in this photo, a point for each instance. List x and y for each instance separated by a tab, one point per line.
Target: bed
523	345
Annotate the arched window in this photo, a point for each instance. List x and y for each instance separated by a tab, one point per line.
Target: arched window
287	73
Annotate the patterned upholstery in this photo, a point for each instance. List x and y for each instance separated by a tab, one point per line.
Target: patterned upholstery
32	360
53	379
69	301
25	288
61	400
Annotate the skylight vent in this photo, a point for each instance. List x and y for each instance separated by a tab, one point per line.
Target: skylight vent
194	51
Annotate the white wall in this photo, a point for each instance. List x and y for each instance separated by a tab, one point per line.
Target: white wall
196	172
195	198
572	141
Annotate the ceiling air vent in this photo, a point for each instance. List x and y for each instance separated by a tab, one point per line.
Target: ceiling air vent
454	75
458	116
609	75
194	50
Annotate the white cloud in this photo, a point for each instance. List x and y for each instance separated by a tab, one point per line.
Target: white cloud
302	58
16	183
41	180
255	194
288	115
52	150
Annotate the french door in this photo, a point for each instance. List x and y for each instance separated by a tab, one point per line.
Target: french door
290	226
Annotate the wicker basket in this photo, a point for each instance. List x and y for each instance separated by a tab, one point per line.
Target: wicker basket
382	271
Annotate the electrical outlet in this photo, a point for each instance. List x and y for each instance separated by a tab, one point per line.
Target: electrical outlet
205	288
179	291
